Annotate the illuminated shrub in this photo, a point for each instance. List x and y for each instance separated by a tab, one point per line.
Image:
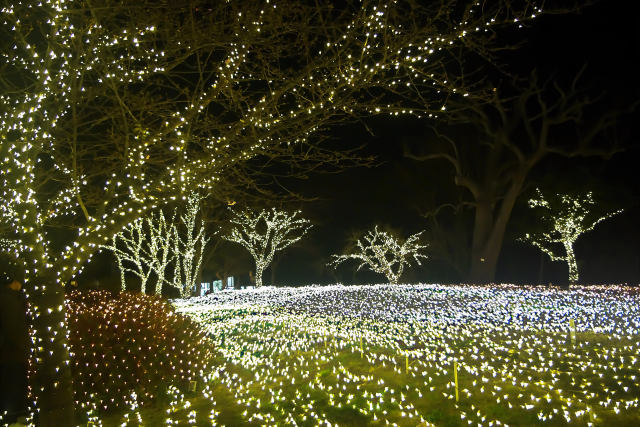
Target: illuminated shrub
121	343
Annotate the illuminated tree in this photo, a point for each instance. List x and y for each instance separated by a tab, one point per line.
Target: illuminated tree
110	109
384	253
266	232
189	242
566	219
143	248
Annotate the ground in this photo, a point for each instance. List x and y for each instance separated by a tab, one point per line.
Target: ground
390	354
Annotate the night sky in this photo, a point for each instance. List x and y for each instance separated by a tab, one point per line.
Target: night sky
398	191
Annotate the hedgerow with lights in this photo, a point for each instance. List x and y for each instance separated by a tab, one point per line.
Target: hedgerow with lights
131	343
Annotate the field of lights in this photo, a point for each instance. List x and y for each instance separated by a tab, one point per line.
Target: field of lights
389	354
415	355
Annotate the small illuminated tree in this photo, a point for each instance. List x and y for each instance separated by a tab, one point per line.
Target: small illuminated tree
566	218
144	247
149	245
384	253
189	242
266	232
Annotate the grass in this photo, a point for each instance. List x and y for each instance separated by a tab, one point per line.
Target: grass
377	355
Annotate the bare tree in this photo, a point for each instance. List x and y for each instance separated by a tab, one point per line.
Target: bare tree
566	219
109	110
266	232
502	139
384	253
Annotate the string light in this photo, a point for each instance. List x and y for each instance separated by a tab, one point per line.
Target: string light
150	245
142	248
511	345
127	348
189	244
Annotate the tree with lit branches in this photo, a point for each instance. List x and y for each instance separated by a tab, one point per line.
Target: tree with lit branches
143	248
566	219
266	232
189	242
384	253
148	246
109	110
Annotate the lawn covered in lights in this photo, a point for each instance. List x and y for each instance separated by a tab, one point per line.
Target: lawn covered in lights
385	354
377	354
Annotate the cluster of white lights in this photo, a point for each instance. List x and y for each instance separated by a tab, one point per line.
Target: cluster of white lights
142	248
127	349
568	218
188	246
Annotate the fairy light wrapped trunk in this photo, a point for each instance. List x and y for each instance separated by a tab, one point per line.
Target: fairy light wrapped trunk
145	248
189	242
148	247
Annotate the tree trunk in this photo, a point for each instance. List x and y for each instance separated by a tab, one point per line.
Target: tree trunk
123	283
273	275
159	283
50	377
274	265
483	262
488	233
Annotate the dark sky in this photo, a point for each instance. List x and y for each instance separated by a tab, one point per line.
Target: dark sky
605	38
